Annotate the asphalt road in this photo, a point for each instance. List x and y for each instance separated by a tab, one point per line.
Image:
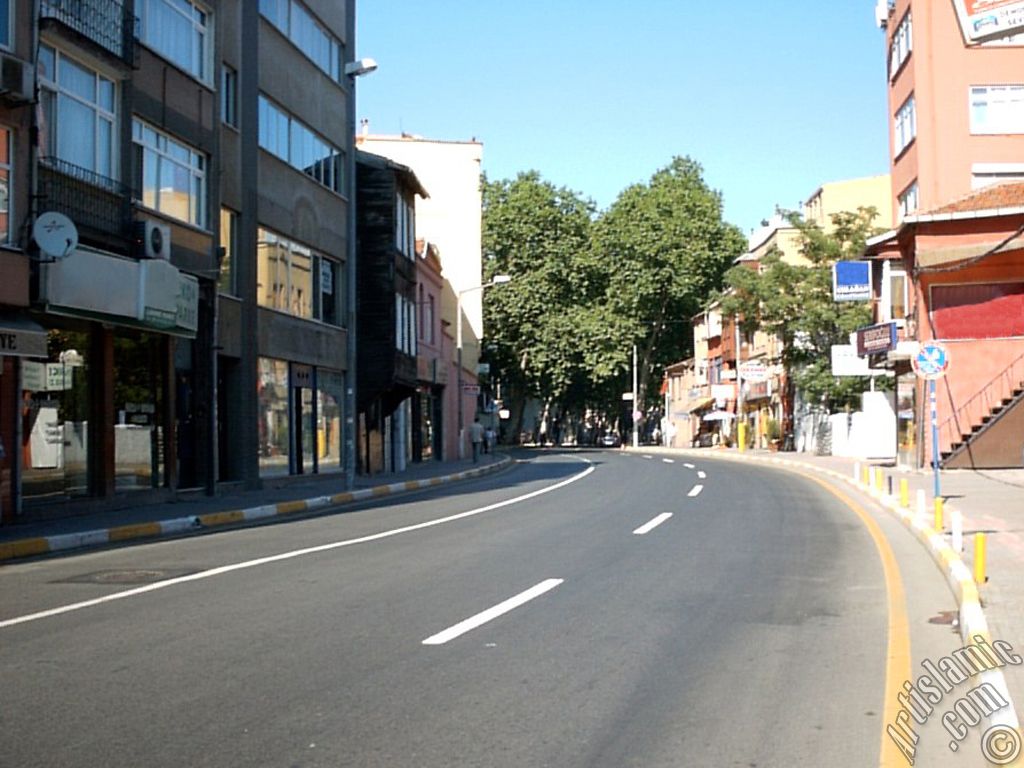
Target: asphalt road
578	626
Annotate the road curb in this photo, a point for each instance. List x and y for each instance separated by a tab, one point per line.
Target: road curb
972	622
33	547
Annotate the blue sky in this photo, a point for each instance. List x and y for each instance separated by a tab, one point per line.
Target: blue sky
772	98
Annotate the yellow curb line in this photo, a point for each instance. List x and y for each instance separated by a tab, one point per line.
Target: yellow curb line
32	547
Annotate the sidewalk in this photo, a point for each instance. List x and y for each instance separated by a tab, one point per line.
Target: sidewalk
195	513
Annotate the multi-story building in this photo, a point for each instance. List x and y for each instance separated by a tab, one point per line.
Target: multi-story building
956	98
956	101
387	281
450	219
433	408
198	315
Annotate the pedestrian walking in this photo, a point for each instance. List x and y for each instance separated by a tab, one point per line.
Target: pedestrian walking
489	436
476	436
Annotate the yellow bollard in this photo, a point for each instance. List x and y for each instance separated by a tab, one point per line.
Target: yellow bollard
938	514
741	436
879	480
865	476
979	558
904	493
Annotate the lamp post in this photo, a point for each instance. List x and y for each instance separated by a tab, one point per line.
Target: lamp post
353	69
496	280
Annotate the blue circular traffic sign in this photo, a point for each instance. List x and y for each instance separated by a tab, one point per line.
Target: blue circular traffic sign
931	361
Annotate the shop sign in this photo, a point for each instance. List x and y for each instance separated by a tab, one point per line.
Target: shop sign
851	281
302	376
988	19
20	337
875	339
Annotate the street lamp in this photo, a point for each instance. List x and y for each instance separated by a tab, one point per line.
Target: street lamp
496	280
353	70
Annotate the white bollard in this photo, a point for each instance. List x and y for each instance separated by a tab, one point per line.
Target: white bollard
922	506
957	521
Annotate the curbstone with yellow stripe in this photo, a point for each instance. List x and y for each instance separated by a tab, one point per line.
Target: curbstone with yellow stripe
33	547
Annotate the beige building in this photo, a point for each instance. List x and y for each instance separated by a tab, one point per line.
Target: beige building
838	196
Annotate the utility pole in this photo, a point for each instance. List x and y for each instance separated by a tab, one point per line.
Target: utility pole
741	424
636	405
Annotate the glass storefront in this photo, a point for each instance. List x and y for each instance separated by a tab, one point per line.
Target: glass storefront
57	404
330	398
301	414
55	419
274	432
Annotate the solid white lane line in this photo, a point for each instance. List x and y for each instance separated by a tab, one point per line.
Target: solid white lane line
290	555
701	475
492	613
648	457
669	461
652	524
695	490
688	465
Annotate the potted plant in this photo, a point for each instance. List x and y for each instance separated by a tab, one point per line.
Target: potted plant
773	431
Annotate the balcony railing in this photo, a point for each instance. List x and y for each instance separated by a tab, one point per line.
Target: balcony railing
107	23
90	200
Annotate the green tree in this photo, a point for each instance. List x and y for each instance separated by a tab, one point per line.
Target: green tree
664	249
537	234
794	301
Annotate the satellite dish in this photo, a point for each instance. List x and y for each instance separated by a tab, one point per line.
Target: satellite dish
55	234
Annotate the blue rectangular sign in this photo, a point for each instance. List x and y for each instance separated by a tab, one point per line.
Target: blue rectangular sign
851	281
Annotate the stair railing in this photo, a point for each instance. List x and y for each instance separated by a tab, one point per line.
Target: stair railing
981	404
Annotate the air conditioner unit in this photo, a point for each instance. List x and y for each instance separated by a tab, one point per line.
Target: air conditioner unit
17	84
152	240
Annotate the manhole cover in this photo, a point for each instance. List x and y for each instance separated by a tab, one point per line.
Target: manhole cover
126	576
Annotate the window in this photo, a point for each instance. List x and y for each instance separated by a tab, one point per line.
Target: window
295	279
984	174
908	200
405	235
299	26
5	23
902	44
405	325
997	109
229	244
179	30
170	175
905	126
229	96
5	185
293	142
894	294
79	112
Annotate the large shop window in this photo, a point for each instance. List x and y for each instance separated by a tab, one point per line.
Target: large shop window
298	280
78	108
171	175
301	417
274	421
978	311
56	411
179	30
55	419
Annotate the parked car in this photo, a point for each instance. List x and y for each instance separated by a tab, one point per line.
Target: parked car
609	440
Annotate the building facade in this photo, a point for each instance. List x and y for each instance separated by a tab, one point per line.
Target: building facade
450	219
197	318
956	104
